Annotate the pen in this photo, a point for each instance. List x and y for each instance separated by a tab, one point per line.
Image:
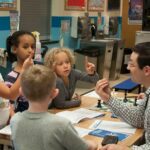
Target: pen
97	123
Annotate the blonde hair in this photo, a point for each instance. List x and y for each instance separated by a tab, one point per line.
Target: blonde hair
49	58
37	82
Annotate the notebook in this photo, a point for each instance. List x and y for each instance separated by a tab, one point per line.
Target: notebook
77	115
103	133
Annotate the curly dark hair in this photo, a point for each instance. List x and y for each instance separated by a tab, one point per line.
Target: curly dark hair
13	40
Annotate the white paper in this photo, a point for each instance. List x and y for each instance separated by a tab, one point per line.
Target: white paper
79	114
95	95
92	94
120	127
82	131
6	130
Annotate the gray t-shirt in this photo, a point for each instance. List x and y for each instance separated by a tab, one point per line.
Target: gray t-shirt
44	131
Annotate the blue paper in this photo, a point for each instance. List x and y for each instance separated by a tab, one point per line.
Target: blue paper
103	133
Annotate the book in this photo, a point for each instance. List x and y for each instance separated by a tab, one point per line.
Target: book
77	115
113	126
82	131
6	130
103	133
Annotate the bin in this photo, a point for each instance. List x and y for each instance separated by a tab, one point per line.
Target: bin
117	58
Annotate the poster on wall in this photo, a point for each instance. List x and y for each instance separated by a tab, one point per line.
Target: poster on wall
65	26
14	21
135	12
75	4
95	5
8	5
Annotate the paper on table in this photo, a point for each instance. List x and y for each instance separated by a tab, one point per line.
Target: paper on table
6	130
82	131
92	94
95	95
120	127
79	114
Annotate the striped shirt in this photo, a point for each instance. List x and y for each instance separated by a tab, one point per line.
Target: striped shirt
21	102
137	116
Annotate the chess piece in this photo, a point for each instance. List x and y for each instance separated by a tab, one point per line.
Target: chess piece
125	97
135	101
99	104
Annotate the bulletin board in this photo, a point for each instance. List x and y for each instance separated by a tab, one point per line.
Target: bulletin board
75	4
8	5
128	30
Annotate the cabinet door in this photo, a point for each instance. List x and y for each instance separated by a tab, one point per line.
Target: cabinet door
146	16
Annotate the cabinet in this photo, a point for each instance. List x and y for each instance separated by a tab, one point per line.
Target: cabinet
146	15
101	51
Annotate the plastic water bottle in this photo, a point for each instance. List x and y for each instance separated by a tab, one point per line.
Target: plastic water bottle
38	56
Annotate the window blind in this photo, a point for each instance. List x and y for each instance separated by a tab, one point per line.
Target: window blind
35	16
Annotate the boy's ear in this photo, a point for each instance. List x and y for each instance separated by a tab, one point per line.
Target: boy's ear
20	91
54	93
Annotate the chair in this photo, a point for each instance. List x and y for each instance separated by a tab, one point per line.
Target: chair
127	86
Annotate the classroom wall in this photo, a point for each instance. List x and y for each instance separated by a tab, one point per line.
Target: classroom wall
58	13
58	10
62	14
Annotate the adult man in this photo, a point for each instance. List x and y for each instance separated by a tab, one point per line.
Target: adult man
137	116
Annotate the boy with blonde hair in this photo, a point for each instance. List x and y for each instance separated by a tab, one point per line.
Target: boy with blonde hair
37	129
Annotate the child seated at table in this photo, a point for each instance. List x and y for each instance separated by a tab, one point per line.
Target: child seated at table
61	61
46	130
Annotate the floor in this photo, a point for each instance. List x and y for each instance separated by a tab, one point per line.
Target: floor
112	83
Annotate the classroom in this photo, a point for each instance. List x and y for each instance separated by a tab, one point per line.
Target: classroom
74	74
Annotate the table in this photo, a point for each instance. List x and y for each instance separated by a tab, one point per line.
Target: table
87	102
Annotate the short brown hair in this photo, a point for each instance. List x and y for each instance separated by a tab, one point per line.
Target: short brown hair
49	58
143	51
37	82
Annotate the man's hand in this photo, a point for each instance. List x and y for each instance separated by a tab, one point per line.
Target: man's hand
103	90
141	96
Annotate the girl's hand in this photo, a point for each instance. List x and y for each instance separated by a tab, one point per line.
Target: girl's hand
89	67
77	96
28	62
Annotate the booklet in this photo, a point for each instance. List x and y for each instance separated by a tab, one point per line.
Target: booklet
103	133
6	130
82	131
113	126
77	115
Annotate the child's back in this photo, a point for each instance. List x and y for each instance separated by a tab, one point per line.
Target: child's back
43	131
